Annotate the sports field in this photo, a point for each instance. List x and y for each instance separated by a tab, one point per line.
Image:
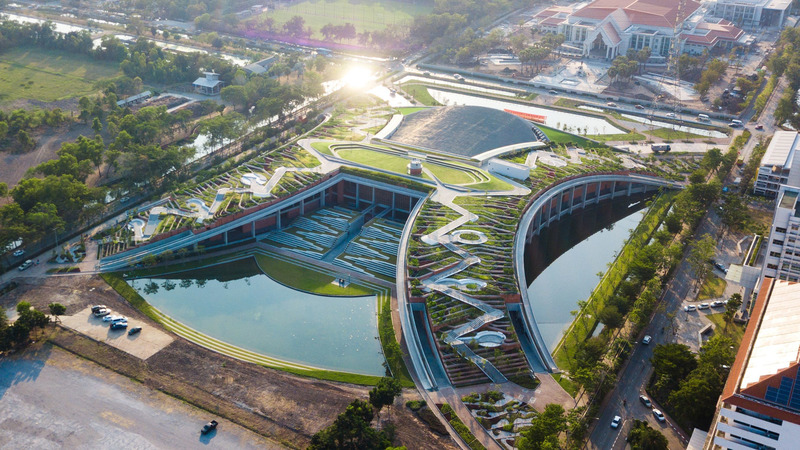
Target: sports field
365	16
49	75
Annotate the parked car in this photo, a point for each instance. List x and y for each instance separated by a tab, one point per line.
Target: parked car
110	318
209	427
119	325
639	107
759	127
646	340
552	92
717	303
134	330
690	308
659	415
616	421
102	312
25	265
720	267
19	253
703	305
671	115
645	401
96	308
611	104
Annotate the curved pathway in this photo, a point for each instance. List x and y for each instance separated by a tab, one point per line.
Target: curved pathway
443	236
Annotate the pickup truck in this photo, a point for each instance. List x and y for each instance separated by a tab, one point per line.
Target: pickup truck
209	427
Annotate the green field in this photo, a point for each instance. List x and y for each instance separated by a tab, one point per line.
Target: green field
366	16
49	75
668	133
420	94
398	164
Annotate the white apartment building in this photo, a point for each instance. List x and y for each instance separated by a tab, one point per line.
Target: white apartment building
779	165
782	260
760	404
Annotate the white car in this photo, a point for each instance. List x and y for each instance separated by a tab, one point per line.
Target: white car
717	303
690	308
646	340
25	265
658	415
671	115
703	306
19	253
616	421
102	312
110	318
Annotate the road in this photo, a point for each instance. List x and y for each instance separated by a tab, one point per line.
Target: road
52	399
636	373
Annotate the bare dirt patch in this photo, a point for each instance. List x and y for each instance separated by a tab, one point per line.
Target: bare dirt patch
276	404
14	165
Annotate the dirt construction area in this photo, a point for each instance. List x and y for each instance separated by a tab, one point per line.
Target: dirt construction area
283	407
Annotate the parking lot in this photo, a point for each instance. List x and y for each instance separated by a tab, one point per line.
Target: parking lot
143	345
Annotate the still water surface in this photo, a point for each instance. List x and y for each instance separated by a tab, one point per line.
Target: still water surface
237	304
563	261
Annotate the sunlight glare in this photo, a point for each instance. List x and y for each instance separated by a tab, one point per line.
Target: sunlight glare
357	77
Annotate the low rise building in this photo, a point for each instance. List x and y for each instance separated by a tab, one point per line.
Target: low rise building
209	84
609	28
752	14
760	404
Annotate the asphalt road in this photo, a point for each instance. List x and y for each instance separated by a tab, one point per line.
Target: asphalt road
53	399
634	377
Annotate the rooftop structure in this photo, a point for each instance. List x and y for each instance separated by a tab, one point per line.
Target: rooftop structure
608	28
140	97
210	84
262	66
760	405
464	130
778	166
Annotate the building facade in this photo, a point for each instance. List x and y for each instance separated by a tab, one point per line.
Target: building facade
609	28
778	166
752	14
760	404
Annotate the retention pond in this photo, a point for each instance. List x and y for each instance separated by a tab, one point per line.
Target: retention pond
237	303
562	262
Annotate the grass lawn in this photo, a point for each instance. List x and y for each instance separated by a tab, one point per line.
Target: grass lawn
632	136
398	164
561	137
322	147
305	279
567	384
668	133
49	75
420	94
410	109
713	287
495	184
366	16
735	331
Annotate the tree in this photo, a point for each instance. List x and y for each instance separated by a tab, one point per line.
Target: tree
732	306
384	393
544	429
734	213
700	255
351	430
57	309
672	363
97	125
644	437
217	43
236	95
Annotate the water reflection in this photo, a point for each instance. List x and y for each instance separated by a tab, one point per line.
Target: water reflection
237	303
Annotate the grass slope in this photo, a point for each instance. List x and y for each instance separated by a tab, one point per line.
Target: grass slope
49	75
